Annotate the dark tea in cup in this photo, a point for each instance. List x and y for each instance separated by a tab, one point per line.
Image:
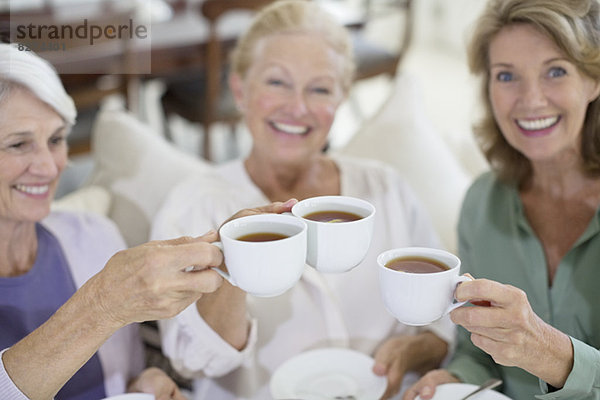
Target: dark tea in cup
262	237
332	216
416	265
418	283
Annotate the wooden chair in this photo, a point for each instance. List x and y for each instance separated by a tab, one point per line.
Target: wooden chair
203	96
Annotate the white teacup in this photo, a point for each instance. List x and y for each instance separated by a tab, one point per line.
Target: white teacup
264	268
419	298
339	246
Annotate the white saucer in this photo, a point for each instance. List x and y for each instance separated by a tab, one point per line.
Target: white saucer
326	373
451	391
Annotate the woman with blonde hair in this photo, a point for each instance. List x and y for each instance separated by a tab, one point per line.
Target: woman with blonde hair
290	72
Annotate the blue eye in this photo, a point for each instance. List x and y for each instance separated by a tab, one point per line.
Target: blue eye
504	76
556	72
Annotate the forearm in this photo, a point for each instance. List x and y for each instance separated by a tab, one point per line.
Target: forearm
226	313
42	362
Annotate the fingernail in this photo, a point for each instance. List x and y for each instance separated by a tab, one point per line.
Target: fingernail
379	369
290	202
210	232
427	391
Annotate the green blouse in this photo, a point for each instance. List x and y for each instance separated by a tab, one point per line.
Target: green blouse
497	242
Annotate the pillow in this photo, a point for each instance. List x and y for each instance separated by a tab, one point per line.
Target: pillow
139	168
401	135
90	198
446	24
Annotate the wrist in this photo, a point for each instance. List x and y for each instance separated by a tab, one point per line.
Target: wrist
99	306
563	359
226	313
559	357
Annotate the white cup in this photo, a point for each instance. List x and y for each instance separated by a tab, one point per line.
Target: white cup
131	396
336	247
419	298
263	269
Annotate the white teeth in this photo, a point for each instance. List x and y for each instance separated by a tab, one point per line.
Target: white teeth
537	124
291	129
32	189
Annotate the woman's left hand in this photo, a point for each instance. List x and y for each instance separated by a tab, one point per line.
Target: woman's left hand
398	355
156	382
390	361
507	328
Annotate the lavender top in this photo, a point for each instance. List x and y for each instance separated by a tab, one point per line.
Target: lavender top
28	300
85	242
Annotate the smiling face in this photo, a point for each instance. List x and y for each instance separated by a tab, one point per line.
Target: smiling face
539	98
33	153
290	95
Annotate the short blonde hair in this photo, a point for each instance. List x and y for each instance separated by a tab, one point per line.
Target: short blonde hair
574	26
286	16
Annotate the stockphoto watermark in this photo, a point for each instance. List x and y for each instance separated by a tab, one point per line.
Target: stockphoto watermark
88	31
85	44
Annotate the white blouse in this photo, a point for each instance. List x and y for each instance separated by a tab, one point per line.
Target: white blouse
321	310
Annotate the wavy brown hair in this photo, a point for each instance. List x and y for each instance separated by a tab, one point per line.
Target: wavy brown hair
574	26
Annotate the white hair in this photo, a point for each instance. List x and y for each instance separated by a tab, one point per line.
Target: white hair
26	69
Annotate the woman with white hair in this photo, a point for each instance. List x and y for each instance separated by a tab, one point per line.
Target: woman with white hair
66	305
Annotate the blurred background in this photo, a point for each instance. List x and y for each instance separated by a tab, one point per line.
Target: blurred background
168	69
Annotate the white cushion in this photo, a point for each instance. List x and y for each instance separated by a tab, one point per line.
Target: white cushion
92	198
139	168
401	135
446	23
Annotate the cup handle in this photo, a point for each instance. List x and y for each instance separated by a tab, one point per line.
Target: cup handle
218	270
453	306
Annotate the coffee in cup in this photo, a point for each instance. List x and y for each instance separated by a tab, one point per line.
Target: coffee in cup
417	283
332	216
262	237
264	254
417	265
339	231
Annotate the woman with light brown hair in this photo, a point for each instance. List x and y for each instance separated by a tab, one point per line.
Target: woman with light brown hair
530	229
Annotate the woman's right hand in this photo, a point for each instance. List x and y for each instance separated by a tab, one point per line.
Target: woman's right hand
425	387
149	281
